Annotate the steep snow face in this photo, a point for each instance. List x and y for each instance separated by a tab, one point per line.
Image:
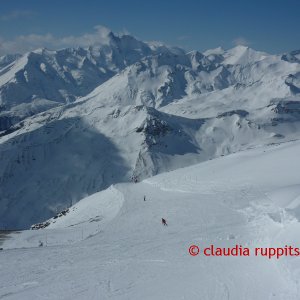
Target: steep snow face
67	158
113	244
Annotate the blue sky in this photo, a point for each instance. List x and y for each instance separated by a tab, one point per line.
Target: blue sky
268	25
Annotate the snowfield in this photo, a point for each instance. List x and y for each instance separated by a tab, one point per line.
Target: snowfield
112	245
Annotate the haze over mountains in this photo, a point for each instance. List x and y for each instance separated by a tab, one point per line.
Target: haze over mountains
74	121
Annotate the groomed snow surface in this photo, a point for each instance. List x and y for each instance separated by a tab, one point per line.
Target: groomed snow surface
112	245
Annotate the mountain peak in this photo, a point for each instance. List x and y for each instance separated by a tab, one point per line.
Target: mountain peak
242	55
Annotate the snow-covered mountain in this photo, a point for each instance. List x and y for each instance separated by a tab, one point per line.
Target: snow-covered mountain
63	76
75	121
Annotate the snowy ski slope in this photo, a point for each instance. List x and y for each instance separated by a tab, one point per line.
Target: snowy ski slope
112	245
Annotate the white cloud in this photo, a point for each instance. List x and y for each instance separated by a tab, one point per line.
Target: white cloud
25	43
16	14
241	41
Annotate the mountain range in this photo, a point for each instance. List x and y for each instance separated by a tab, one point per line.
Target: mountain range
74	121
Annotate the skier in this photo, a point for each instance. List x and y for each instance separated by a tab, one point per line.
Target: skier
144	198
164	222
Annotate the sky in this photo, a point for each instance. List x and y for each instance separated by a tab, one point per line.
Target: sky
268	25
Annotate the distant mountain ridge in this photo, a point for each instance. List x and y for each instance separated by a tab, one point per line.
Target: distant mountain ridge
64	75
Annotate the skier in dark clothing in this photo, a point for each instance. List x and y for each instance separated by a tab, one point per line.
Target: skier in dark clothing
144	198
164	222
